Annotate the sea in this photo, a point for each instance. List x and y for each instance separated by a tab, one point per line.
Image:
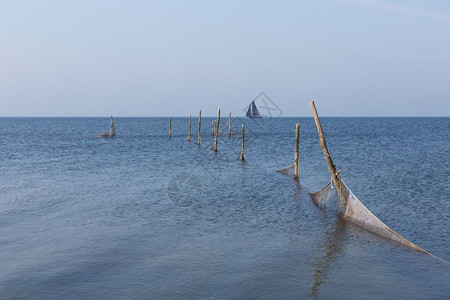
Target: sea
145	216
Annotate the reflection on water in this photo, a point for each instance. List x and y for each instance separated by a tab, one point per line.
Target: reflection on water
297	190
296	222
327	253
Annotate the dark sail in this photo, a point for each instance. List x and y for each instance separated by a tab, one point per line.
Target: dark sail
255	112
249	111
252	111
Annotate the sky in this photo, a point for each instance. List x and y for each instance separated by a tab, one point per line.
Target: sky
172	58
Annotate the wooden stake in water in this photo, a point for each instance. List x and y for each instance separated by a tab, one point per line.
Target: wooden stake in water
242	156
297	133
170	128
331	167
216	136
112	130
229	124
295	166
189	133
199	127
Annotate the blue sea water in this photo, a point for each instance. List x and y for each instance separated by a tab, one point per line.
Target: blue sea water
142	216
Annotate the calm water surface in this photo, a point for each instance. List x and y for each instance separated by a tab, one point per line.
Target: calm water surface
142	216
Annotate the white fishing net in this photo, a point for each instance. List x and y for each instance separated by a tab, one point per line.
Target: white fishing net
351	209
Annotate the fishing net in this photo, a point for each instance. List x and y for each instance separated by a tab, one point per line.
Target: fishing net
110	133
106	134
327	197
350	208
290	171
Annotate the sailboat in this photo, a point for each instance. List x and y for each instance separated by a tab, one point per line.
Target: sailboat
252	111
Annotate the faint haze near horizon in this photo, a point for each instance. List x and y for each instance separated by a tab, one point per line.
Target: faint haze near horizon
172	58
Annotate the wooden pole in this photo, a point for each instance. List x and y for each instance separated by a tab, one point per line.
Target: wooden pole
170	128
189	133
213	127
199	126
331	167
229	124
216	137
242	156
297	133
112	130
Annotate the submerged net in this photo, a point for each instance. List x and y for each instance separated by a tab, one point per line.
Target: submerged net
110	133
288	171
350	208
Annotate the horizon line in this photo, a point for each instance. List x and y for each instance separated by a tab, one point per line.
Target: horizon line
215	116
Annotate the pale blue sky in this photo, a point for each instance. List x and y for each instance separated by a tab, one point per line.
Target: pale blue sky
161	58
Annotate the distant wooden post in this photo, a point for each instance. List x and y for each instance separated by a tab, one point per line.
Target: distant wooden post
170	128
213	127
189	133
242	156
297	133
331	167
216	137
229	124
199	126
112	130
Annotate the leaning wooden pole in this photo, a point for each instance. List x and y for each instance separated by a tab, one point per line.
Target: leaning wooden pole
189	131
297	133
112	130
242	156
331	167
216	133
199	126
170	128
229	124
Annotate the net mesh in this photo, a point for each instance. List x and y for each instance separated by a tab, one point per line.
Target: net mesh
106	134
110	133
328	194
350	208
288	171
